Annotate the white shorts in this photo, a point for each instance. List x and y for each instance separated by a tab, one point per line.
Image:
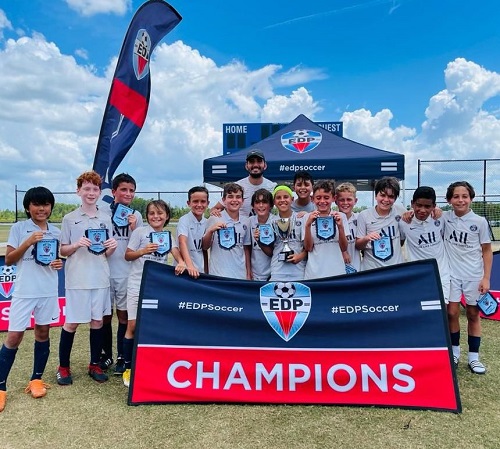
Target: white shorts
118	290
82	306
470	290
45	310
132	304
446	284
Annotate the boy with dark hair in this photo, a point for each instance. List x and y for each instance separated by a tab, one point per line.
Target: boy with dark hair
468	245
303	186
33	245
86	243
190	230
378	230
262	203
324	236
124	221
424	235
228	237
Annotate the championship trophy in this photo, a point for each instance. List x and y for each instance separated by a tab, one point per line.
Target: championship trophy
283	228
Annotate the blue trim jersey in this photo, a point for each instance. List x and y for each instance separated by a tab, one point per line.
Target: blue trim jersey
261	262
118	266
33	280
229	262
193	230
463	239
84	270
370	221
425	240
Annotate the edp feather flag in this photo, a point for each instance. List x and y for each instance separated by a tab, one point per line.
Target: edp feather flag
128	99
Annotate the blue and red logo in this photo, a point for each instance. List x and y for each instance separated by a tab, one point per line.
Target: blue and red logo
286	306
301	140
142	51
7	278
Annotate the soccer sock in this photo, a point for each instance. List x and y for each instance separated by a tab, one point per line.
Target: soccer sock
40	357
107	340
128	347
120	335
65	346
7	357
474	343
95	345
455	343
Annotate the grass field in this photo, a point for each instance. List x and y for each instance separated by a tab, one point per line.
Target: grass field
91	415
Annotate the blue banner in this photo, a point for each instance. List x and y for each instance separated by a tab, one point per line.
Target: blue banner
378	337
128	99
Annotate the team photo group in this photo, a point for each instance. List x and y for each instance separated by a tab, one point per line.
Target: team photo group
257	231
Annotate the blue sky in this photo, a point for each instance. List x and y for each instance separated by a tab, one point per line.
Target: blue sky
418	77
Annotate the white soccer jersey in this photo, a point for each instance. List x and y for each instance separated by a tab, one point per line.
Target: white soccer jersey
33	280
350	233
424	240
139	239
118	266
325	259
463	238
286	271
229	262
370	221
193	230
261	263
249	190
308	208
84	270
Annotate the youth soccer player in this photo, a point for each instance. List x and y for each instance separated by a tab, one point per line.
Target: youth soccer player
228	237
190	230
86	242
468	245
124	221
303	187
378	233
33	245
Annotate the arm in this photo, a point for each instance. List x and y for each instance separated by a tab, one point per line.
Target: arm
342	237
206	242
184	250
67	249
110	246
13	255
308	238
248	261
484	285
181	265
131	254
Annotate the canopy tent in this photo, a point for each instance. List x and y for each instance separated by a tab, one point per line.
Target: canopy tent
303	145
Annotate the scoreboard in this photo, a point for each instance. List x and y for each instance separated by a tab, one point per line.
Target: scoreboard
238	136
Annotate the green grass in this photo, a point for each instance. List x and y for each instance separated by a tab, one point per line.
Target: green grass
91	415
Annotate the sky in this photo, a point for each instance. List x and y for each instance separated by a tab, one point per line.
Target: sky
417	77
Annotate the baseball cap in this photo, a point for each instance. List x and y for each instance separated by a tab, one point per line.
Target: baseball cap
255	153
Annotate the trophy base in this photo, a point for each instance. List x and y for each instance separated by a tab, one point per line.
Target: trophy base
283	256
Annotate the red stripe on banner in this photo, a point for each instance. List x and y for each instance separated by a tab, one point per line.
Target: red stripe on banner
403	378
130	103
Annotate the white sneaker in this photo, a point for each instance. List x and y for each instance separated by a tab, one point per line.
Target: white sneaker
477	367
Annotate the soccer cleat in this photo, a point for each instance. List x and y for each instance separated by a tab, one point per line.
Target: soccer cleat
63	376
37	388
97	374
477	367
126	377
455	361
119	367
105	362
3	399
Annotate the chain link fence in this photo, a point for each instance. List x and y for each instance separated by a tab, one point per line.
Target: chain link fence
482	174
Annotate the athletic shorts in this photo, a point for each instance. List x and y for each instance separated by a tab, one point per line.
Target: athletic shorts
45	310
470	290
118	290
83	306
446	284
132	304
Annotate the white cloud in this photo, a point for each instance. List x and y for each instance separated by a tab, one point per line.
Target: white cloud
92	7
4	23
